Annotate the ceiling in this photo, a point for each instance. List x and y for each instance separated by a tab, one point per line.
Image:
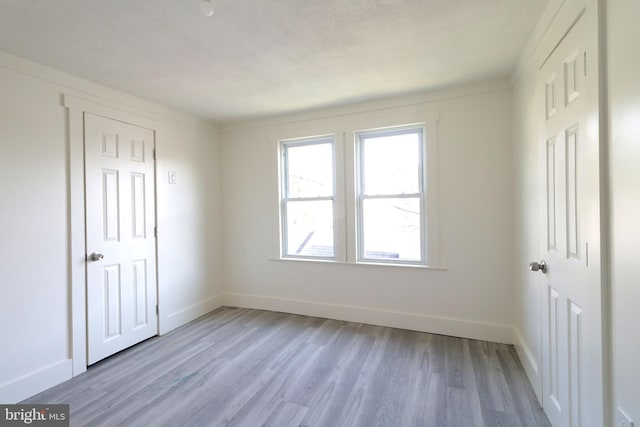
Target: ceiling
256	58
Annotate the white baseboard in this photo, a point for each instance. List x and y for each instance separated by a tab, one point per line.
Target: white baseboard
528	361
412	321
186	315
35	382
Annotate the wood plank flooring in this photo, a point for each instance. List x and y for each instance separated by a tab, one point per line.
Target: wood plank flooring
241	367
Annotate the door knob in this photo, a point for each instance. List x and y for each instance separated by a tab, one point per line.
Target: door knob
538	266
96	257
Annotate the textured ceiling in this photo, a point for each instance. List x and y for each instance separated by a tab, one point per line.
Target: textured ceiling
255	58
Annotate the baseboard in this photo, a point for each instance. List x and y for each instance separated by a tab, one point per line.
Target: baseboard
186	315
35	382
528	361
412	321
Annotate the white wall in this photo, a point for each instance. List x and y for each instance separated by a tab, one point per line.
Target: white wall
189	224
527	296
623	38
35	284
472	297
34	287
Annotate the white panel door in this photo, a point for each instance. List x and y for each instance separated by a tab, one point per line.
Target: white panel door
121	246
571	325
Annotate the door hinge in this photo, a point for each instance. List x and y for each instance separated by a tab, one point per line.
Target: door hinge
155	232
154	154
586	254
157	310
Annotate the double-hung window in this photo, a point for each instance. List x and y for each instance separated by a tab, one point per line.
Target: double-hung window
391	196
307	198
361	196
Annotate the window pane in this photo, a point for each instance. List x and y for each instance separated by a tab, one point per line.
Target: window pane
391	229
310	170
310	228
391	164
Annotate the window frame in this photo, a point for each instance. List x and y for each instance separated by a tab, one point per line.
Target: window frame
343	129
284	199
361	195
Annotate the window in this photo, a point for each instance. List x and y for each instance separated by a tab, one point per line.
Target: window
390	195
364	196
308	198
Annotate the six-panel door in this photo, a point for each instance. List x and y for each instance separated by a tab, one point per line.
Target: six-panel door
120	212
571	329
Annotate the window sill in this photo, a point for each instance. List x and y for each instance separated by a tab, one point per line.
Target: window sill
365	264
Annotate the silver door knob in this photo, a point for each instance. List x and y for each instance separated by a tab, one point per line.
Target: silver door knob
96	257
538	266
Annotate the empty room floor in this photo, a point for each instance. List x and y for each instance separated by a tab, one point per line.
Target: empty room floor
243	367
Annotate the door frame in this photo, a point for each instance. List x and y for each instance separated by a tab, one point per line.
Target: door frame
76	107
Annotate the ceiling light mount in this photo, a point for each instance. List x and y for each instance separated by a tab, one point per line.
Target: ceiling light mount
206	7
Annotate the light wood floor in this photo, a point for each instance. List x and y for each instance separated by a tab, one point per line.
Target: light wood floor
240	367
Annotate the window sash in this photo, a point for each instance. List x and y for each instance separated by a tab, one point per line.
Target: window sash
361	196
361	140
315	238
362	241
286	198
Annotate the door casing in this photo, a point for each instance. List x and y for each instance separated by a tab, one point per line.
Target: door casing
76	107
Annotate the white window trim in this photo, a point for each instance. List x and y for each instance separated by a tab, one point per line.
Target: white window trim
344	129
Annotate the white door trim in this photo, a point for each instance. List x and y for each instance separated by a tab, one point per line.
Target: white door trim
76	107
